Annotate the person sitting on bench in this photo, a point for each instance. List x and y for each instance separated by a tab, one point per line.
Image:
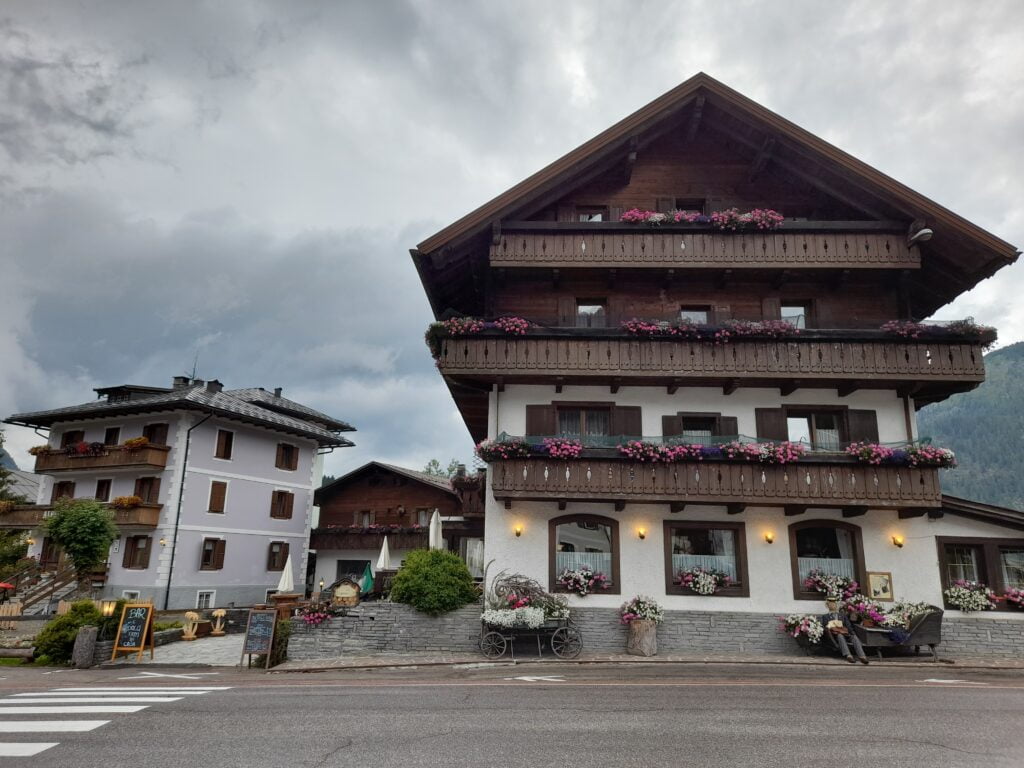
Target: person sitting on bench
840	632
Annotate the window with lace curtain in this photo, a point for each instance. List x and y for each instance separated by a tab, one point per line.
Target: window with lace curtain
997	563
713	546
824	545
578	541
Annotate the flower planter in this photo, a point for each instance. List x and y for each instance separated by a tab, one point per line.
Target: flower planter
642	639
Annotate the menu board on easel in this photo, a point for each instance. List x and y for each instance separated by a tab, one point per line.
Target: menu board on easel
259	633
135	630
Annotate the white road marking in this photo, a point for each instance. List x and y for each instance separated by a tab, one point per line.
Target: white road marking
941	680
47	726
74	709
123	692
189	676
26	749
539	678
175	688
4	703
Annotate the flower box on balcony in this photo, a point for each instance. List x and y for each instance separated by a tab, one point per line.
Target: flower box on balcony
110	457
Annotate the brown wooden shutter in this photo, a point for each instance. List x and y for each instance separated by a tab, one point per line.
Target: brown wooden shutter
720	313
540	420
567	311
147	545
614	212
140	487
728	426
861	426
129	552
218	554
218	495
154	491
289	500
627	421
566	212
295	458
671	426
771	308
271	557
283	555
279	459
155	433
771	424
666	204
63	489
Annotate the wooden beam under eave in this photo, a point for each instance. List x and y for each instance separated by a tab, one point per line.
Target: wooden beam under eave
559	383
906	514
613	275
695	116
620	505
670	277
614	387
730	386
735	509
848	388
508	503
792	510
789	387
676	507
500	382
634	145
935	514
761	159
562	503
781	278
724	278
556	278
855	511
673	387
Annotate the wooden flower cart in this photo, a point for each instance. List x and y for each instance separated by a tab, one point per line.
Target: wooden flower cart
565	639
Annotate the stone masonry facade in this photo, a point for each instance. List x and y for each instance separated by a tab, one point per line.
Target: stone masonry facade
393	628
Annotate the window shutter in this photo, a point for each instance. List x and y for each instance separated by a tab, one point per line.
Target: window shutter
289	500
771	308
279	459
540	420
671	426
567	311
275	503
728	426
720	313
295	458
218	495
862	426
284	555
63	489
154	491
147	545
129	552
566	212
614	212
626	420
140	487
771	424
271	557
666	204
218	554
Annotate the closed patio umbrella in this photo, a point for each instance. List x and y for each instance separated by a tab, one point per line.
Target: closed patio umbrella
435	531
384	560
287	583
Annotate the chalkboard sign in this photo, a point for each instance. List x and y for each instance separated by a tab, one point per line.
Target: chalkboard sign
259	633
135	630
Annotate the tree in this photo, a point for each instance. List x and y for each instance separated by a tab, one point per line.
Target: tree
434	468
84	528
13	544
6	484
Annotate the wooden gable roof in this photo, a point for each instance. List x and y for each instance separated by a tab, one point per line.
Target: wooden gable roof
961	253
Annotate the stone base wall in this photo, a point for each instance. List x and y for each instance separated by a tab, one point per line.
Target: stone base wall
105	648
387	627
390	627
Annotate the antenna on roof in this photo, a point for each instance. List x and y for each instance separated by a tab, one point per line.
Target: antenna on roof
195	364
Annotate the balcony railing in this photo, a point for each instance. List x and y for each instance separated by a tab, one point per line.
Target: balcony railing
112	457
28	516
329	538
813	358
802	484
798	245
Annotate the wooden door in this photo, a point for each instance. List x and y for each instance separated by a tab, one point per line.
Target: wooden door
49	558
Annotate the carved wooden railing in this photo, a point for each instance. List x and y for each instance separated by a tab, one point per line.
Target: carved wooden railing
115	456
802	357
716	482
643	247
26	516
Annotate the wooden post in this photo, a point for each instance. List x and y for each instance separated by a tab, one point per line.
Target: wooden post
643	638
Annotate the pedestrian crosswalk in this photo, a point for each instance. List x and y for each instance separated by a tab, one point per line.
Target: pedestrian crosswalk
16	709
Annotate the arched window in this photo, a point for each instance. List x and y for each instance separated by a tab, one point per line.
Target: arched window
824	545
577	541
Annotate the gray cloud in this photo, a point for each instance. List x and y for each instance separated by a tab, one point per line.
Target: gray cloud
245	179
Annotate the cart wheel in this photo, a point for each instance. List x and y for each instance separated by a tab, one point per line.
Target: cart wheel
566	643
493	645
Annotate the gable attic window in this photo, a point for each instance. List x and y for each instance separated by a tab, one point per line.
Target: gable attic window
591	313
591	213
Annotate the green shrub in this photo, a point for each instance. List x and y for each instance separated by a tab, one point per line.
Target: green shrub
434	582
160	626
279	650
57	639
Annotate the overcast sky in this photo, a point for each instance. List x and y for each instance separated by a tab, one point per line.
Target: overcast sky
244	179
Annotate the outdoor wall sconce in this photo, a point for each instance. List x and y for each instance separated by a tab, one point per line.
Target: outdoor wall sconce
107	607
642	533
769	537
321	585
898	541
163	542
519	531
30	541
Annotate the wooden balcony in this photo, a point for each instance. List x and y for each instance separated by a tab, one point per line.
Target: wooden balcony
325	539
851	486
113	457
29	516
804	245
846	360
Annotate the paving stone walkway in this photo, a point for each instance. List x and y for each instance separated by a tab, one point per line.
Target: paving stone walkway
223	651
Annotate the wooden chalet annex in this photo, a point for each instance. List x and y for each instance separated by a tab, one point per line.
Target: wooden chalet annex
802	333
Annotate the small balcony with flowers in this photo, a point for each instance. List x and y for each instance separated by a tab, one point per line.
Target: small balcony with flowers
733	471
359	537
128	512
134	453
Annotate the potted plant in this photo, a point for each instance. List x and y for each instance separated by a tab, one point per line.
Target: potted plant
806	629
703	581
970	596
583	581
642	615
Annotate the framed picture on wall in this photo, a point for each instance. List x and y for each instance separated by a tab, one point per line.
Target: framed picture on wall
880	586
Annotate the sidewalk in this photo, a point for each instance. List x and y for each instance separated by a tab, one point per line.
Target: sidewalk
223	651
380	661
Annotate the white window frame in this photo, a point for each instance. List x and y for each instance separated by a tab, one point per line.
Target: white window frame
213	599
209	494
120	432
266	599
130	594
215	436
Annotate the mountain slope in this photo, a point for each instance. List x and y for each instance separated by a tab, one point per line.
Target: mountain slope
986	430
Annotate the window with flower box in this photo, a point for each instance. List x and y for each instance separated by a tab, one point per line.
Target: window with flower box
72	437
112	436
997	563
713	546
156	433
584	541
830	546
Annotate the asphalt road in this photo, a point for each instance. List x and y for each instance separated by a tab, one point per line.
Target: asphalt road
592	716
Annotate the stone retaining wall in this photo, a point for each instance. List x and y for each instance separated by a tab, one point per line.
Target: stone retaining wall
105	648
391	627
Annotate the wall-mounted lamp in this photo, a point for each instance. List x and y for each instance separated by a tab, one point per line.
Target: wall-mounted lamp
898	541
107	607
519	531
321	585
922	235
642	533
30	541
769	537
163	542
